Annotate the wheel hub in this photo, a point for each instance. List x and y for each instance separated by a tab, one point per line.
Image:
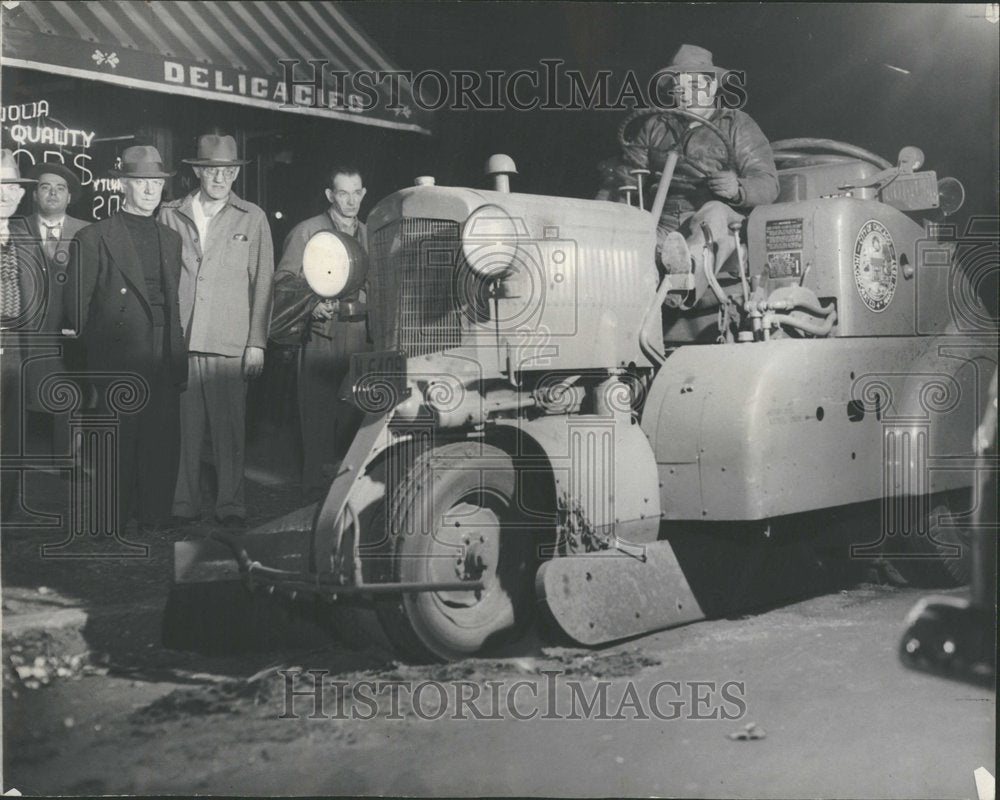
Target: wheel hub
469	543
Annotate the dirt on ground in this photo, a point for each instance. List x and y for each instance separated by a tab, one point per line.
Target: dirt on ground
817	702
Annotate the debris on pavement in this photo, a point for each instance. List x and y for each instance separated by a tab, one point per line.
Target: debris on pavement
748	732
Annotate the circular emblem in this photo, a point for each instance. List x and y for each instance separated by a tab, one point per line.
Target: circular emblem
875	267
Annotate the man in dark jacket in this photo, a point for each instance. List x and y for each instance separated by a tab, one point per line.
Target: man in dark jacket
57	187
130	267
328	423
714	191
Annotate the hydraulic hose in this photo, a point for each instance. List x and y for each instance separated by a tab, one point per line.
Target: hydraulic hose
807	305
808	326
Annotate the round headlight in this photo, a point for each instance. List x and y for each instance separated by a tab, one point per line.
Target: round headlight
334	264
489	242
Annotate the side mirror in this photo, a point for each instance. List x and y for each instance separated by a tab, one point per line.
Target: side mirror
951	195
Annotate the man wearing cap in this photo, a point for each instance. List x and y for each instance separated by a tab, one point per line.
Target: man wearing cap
20	277
334	335
130	267
225	295
716	192
56	188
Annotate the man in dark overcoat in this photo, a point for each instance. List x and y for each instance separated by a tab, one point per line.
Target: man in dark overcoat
130	267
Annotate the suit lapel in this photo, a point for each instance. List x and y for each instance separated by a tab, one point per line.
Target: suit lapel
35	229
123	253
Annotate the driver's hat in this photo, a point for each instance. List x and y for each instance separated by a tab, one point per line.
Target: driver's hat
691	58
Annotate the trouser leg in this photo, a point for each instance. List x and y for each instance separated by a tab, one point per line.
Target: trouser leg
318	384
158	444
225	402
716	216
10	425
187	492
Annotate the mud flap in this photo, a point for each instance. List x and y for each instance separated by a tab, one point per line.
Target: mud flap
601	597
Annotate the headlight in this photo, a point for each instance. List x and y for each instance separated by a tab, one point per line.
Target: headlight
489	242
334	264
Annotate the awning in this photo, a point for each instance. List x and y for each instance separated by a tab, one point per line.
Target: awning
217	51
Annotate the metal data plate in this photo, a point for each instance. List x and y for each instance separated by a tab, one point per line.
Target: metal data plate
912	192
379	380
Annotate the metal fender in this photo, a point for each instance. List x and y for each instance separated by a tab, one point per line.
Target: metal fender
604	472
307	539
353	488
758	430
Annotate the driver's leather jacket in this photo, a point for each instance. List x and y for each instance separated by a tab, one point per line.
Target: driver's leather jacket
700	149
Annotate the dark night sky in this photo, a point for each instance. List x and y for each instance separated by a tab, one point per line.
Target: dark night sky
812	70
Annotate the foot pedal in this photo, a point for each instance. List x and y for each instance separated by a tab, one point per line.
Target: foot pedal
602	597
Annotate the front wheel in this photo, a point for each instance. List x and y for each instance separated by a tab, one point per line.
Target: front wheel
457	515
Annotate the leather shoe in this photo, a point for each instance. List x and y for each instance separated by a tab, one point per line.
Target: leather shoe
233	523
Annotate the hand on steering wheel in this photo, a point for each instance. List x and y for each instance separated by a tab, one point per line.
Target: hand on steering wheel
691	173
722	179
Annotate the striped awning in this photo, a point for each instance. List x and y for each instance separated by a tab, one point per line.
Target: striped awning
217	51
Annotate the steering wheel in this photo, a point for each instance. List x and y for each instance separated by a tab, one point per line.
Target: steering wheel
793	152
694	172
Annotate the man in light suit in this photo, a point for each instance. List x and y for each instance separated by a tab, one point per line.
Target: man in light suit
225	295
56	189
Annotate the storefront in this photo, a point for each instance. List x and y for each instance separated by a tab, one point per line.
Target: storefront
82	81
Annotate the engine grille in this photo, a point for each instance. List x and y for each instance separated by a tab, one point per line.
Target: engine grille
412	286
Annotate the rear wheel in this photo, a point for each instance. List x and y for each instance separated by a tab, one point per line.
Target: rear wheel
457	515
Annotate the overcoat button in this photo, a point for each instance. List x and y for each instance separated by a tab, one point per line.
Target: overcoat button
124	290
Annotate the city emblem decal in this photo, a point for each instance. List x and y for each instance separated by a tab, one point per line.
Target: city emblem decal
875	265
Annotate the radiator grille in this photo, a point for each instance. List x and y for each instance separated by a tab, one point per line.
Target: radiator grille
412	286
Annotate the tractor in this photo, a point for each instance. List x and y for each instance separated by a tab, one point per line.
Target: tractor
556	429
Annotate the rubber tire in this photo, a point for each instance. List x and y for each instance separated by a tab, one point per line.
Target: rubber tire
415	623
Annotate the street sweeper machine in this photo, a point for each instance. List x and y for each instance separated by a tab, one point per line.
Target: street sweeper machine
556	428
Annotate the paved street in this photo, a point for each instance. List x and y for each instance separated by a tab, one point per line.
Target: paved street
819	680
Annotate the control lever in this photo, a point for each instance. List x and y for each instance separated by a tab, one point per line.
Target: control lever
734	229
661	191
638	174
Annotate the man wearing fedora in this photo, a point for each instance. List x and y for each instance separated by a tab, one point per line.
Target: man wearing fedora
56	188
225	296
20	279
335	333
130	267
714	191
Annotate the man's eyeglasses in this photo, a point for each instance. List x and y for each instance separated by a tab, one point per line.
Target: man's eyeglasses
226	173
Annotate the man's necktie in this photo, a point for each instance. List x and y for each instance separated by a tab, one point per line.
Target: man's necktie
51	240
